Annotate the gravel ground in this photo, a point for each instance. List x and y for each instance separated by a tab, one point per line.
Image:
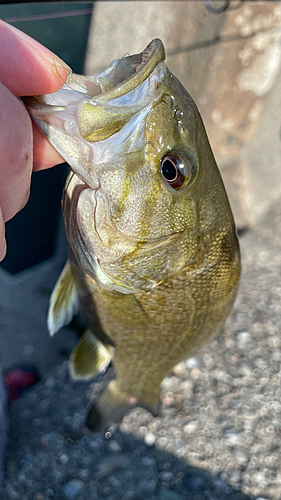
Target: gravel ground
218	434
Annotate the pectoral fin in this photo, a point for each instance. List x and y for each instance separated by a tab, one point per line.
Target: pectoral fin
64	300
89	357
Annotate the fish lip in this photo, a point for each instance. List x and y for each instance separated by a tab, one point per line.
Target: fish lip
146	62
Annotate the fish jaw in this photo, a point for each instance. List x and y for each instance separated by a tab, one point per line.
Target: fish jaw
86	111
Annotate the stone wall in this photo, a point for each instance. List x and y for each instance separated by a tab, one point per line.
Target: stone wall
230	64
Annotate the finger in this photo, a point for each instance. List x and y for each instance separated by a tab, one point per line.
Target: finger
44	155
3	248
15	154
29	68
26	67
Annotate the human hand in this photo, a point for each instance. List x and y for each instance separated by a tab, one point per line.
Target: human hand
26	68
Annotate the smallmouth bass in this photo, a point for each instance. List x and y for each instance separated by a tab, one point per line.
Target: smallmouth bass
153	249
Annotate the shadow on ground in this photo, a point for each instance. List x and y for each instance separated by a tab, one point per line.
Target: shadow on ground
51	455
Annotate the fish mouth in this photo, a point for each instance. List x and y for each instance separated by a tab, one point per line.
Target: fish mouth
122	76
127	73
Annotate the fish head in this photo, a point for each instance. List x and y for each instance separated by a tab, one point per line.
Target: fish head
144	187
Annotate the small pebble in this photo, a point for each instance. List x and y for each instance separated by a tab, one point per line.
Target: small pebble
73	488
115	462
240	457
191	363
63	458
180	369
84	474
232	439
244	337
191	427
166	476
245	371
195	373
147	487
167	466
168	401
149	439
187	385
234	477
167	384
114	446
94	445
148	461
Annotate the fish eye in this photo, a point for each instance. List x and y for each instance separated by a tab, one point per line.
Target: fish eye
172	169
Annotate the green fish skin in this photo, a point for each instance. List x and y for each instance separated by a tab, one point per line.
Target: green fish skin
153	250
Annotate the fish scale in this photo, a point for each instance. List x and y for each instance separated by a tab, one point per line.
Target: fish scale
153	252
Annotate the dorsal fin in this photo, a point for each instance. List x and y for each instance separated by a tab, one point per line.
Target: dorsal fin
63	301
89	357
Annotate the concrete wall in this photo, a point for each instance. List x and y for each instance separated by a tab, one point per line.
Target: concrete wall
230	64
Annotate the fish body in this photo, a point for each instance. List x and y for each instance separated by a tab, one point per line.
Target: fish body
153	250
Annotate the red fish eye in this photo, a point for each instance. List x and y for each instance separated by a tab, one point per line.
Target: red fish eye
171	167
